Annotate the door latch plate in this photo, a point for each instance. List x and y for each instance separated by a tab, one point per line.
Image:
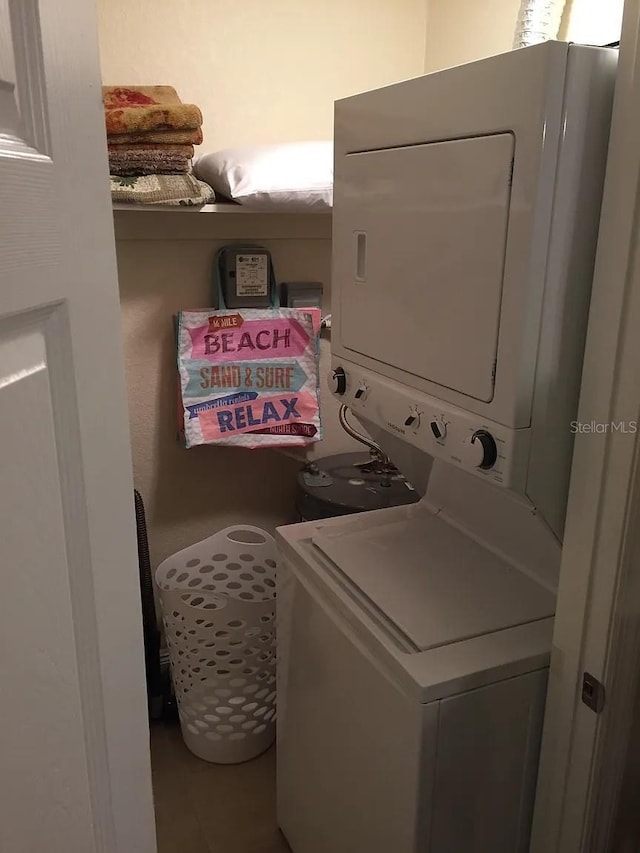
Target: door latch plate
593	692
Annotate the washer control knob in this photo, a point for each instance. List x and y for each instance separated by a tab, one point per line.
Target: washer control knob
484	451
338	381
413	419
438	428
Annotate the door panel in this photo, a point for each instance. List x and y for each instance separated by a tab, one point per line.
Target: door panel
9	112
23	105
41	739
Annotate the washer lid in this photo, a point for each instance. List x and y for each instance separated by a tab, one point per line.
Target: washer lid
434	583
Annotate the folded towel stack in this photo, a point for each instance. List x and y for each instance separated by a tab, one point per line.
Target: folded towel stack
149	130
150	136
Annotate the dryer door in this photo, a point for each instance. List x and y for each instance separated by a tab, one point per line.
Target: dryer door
419	245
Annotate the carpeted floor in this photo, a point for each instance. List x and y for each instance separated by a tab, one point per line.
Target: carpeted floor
212	808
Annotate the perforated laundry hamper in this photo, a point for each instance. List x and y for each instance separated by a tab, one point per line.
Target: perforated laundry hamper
218	609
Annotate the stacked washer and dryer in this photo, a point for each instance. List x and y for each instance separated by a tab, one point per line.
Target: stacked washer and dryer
414	641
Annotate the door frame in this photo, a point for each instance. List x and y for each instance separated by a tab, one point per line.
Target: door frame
582	751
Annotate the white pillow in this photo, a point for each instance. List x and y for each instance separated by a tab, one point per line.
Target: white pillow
294	176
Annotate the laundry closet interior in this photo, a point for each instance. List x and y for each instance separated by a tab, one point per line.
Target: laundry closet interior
268	74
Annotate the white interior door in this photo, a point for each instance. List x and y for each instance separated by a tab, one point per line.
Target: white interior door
74	752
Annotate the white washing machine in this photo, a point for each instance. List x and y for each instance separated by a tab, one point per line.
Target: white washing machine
412	675
413	643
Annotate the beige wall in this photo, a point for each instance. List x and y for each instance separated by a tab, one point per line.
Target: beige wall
262	71
592	21
463	30
164	265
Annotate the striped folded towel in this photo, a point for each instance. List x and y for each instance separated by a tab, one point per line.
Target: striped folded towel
144	149
154	137
148	162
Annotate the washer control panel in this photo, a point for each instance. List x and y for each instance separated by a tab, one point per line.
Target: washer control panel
488	449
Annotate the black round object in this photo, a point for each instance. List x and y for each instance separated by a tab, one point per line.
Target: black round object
339	378
489	448
349	483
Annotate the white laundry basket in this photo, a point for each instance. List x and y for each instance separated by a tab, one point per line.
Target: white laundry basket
218	609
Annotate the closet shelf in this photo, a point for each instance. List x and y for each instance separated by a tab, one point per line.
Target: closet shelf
232	222
208	208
